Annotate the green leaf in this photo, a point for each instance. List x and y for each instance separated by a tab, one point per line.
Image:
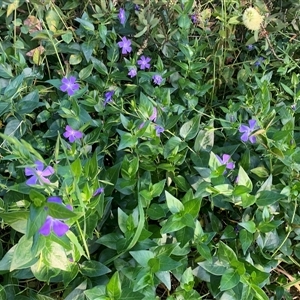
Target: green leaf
229	279
29	103
157	188
265	198
85	24
76	168
127	140
86	72
37	217
246	239
37	198
226	254
184	21
142	257
155	212
167	263
243	179
22	257
92	268
17	220
204	141
249	226
59	211
192	207
113	287
190	129
52	20
174	204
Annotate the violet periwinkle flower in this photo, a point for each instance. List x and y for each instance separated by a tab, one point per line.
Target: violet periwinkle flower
38	174
157	79
259	62
143	62
121	16
72	134
108	97
132	72
56	225
250	47
98	191
125	45
69	85
225	161
154	115
136	7
247	131
159	129
194	18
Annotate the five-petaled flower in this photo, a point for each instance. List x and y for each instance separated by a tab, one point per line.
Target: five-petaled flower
157	79
98	191
72	134
250	47
121	16
159	129
38	174
259	61
132	72
225	161
56	225
194	18
247	131
125	44
143	62
108	97
69	85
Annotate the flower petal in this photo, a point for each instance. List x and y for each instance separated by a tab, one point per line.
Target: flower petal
39	165
31	180
230	165
55	199
252	139
245	137
252	124
29	171
46	228
48	171
244	128
226	158
219	159
59	227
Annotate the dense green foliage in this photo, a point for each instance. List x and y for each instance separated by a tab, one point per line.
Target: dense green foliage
169	169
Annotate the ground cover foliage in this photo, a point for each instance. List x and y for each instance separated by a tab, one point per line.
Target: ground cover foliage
149	149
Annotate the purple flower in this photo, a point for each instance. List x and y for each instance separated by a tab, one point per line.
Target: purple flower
69	85
259	62
56	225
72	134
247	131
143	62
136	7
38	174
250	47
121	16
98	191
159	130
108	97
157	79
225	161
132	72
194	18
125	44
154	115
